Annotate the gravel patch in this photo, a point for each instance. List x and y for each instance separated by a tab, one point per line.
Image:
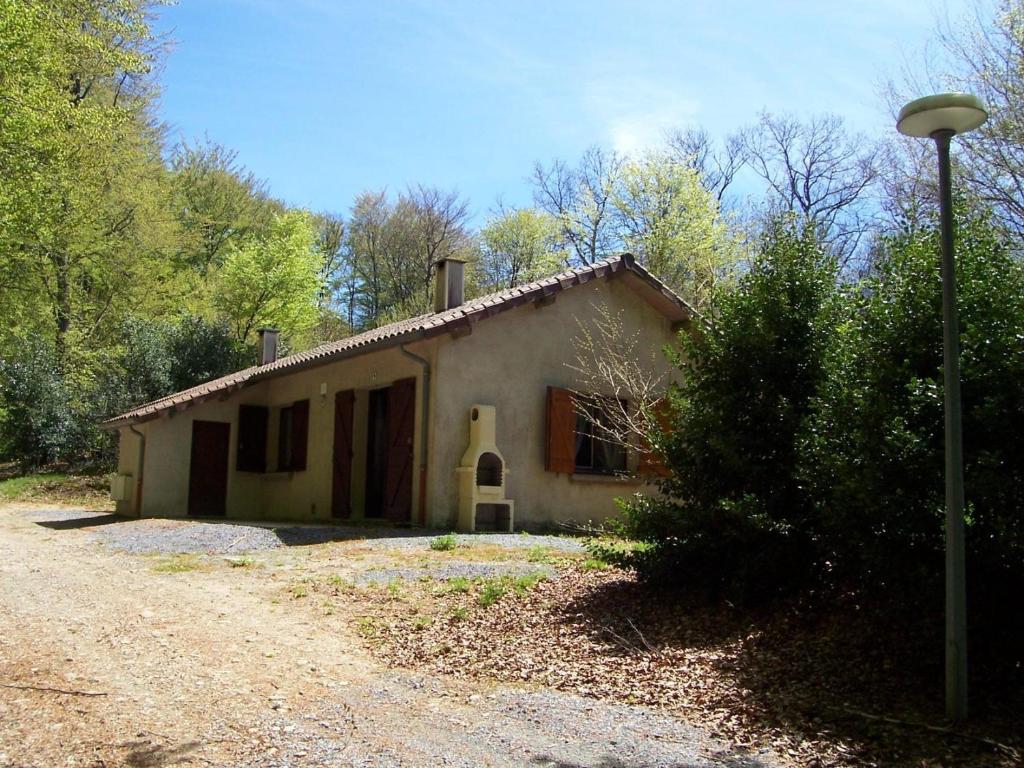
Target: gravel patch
449	571
506	726
173	536
147	537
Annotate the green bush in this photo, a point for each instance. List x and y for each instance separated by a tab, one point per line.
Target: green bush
731	520
50	408
444	543
872	452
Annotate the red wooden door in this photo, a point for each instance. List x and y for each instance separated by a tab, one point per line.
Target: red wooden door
401	423
341	495
208	468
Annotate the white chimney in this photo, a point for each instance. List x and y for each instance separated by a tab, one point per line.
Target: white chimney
449	283
268	345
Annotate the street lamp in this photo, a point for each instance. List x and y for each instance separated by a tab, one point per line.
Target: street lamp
941	117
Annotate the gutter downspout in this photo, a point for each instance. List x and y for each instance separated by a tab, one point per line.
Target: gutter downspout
424	425
142	464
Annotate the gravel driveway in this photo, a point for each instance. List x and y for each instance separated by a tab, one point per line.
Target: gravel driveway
164	536
112	663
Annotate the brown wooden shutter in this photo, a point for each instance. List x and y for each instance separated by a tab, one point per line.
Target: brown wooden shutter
252	438
300	434
560	453
401	430
341	493
651	464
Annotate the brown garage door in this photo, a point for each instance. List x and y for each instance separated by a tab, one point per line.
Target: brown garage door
208	469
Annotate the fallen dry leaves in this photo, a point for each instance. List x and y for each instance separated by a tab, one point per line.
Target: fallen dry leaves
806	684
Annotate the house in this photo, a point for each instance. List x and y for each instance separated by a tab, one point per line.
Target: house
461	417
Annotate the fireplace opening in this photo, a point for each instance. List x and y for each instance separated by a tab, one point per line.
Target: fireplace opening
488	470
493	517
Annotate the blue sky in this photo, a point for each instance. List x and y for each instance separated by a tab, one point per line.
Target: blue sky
325	99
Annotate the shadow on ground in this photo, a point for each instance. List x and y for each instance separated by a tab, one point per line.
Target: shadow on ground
867	677
88	520
727	761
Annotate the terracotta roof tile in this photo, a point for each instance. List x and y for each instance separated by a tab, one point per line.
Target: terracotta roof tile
398	332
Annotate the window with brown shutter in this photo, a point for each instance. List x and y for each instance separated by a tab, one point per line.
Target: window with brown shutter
293	437
252	439
560	453
300	435
651	464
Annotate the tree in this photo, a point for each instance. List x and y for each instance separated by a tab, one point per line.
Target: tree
717	167
671	223
517	246
580	199
817	170
985	56
216	201
273	280
81	179
394	247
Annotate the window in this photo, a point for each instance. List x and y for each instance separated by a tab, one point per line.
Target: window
252	439
293	436
594	452
574	443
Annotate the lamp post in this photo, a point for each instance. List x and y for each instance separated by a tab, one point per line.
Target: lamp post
940	118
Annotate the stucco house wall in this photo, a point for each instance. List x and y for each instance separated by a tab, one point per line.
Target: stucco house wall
502	351
303	495
509	361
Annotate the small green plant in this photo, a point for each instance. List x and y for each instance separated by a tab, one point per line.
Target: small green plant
395	589
459	614
180	563
241	562
523	584
492	590
422	622
444	543
538	554
595	564
299	591
366	627
341	583
459	584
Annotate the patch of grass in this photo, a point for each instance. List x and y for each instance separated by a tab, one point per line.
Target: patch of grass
87	490
491	591
366	627
444	543
459	584
595	564
422	621
523	584
459	614
538	554
299	591
241	562
178	564
343	584
395	589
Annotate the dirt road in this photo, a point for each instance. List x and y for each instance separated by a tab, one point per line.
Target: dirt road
105	662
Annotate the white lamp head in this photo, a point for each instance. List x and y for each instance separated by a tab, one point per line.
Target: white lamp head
956	112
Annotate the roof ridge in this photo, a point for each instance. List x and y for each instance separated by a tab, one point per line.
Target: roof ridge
420	326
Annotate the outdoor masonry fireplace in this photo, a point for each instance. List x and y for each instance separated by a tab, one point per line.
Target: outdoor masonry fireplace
482	477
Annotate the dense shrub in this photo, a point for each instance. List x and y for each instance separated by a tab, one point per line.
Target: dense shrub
806	442
872	454
50	409
733	518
